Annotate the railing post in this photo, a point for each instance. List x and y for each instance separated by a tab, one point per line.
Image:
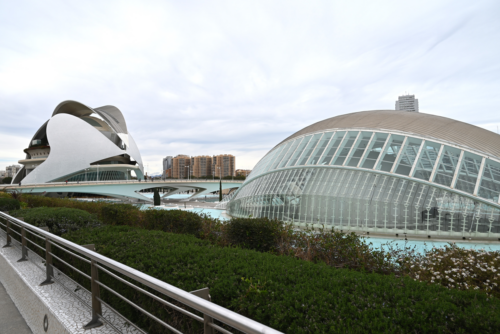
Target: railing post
7	232
49	270
96	295
207	320
24	249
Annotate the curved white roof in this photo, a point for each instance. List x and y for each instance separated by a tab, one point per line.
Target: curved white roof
426	125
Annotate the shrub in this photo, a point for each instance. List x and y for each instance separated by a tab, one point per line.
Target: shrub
120	214
285	293
58	220
459	268
175	221
42	201
8	204
261	234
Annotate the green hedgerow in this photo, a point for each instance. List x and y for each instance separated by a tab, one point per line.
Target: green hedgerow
283	292
58	220
8	204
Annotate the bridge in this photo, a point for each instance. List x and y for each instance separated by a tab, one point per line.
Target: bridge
127	189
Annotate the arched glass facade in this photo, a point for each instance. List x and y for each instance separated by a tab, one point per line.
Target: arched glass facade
375	180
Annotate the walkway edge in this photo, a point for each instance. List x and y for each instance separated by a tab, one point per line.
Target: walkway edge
27	300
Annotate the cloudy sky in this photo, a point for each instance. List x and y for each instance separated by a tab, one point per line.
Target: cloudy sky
211	77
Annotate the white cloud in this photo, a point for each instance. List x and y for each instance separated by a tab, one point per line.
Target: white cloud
238	77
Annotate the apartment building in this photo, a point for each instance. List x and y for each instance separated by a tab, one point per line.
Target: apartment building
407	103
242	172
12	170
167	166
223	165
202	166
181	166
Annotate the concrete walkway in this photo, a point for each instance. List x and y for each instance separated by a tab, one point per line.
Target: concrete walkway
11	321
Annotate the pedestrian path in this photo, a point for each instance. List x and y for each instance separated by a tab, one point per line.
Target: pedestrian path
11	321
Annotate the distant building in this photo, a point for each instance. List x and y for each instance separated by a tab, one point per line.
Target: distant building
201	165
181	166
3	174
167	166
407	103
11	171
223	165
242	172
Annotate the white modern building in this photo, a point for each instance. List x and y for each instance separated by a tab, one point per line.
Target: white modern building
381	172
407	103
80	143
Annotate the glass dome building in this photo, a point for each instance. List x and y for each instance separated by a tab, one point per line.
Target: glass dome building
381	171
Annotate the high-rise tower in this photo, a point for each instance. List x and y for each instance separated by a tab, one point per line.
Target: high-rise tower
407	103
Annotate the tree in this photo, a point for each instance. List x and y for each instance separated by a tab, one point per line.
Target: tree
220	190
156	197
7	180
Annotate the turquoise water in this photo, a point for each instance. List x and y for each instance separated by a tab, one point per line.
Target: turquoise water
421	246
214	213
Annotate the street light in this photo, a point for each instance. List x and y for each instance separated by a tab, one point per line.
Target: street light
188	167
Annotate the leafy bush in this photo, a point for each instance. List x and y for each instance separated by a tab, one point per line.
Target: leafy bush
175	221
261	234
8	204
41	201
285	293
58	220
120	214
459	268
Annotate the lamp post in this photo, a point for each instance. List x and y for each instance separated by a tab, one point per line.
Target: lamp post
188	167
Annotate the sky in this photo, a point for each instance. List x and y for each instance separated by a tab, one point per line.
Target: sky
237	77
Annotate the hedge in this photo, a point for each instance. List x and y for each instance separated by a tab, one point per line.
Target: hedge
261	234
120	214
58	220
288	294
175	221
8	204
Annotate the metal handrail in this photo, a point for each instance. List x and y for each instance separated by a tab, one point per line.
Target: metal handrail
209	309
56	184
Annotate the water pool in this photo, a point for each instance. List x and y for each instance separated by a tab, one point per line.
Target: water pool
421	246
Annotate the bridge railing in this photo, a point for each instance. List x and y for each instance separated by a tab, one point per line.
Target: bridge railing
196	300
167	181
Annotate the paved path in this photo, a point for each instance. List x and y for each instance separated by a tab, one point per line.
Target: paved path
11	321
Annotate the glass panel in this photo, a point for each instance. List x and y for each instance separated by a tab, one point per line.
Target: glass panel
285	160
469	170
359	148
374	151
408	156
299	151
320	148
427	160
490	182
447	166
310	147
391	152
345	148
276	154
332	148
280	157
